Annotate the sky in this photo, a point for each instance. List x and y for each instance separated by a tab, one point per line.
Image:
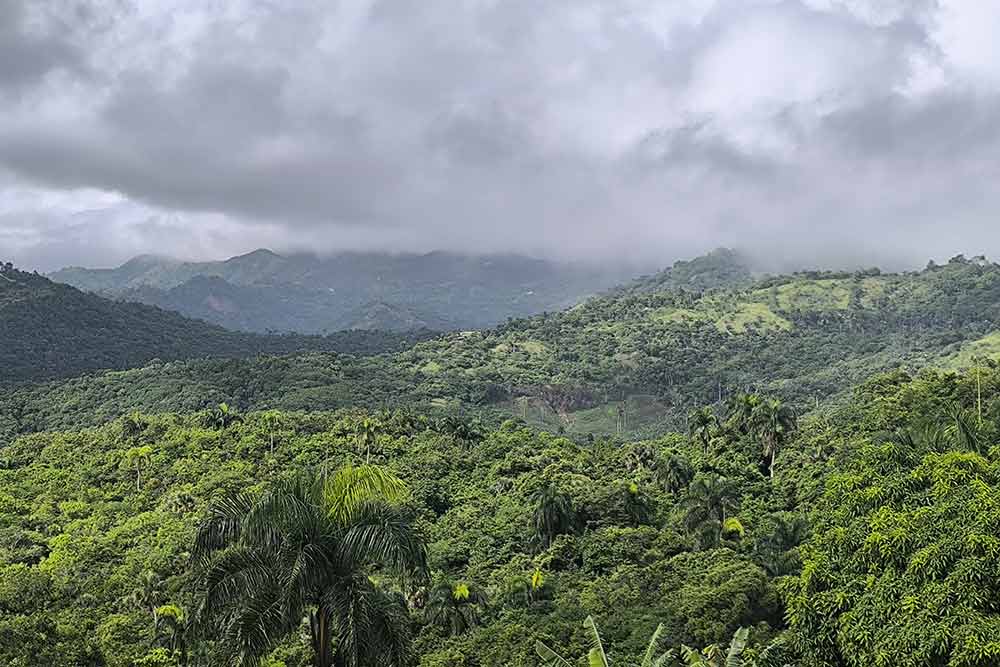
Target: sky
817	132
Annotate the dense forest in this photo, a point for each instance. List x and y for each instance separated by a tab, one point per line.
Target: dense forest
840	538
50	330
701	467
634	361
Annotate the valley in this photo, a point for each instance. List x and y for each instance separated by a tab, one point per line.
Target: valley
687	449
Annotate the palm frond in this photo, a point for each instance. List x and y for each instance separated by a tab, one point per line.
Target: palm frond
352	487
382	534
222	527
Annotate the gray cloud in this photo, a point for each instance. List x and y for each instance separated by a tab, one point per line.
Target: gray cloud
834	131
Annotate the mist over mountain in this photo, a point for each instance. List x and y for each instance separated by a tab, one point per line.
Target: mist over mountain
265	291
437	333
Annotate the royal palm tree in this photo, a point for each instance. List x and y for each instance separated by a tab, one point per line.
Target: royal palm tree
455	607
701	424
655	655
308	548
773	423
708	503
369	435
147	593
777	549
741	407
137	458
171	629
222	416
554	515
273	421
673	472
132	426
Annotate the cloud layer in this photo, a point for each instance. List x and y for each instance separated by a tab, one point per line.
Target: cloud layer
815	131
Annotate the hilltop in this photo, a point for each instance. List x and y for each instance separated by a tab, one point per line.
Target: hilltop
632	361
263	291
50	330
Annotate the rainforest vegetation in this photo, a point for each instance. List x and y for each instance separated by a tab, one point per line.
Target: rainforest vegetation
707	470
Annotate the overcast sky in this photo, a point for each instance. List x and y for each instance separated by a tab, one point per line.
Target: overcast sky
824	131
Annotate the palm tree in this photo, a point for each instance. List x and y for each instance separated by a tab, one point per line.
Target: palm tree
273	421
701	424
554	515
171	628
147	593
707	504
137	458
773	422
455	606
673	472
308	548
369	435
654	656
777	550
132	426
469	432
221	416
741	407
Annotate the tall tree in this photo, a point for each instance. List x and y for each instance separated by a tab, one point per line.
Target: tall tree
455	606
773	423
740	409
701	424
708	503
308	548
554	515
673	472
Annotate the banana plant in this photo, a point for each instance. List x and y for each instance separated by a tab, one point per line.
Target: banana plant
655	656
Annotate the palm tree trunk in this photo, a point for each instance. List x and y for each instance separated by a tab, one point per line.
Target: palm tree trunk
319	629
770	465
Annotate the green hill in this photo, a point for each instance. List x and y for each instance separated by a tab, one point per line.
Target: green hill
633	361
262	291
49	330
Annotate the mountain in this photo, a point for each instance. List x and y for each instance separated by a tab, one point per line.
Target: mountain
263	291
814	530
631	361
721	268
50	330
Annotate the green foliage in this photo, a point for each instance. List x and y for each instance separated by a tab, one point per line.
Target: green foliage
51	330
618	363
96	571
903	561
308	548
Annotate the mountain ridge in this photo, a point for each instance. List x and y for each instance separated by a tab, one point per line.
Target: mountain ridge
51	330
313	294
629	361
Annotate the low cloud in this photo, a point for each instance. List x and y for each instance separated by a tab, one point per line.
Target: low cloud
806	131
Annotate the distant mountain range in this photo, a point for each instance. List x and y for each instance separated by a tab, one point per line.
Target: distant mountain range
50	330
263	291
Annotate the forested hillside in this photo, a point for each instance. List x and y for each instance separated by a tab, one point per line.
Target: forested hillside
263	291
49	330
633	361
871	533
